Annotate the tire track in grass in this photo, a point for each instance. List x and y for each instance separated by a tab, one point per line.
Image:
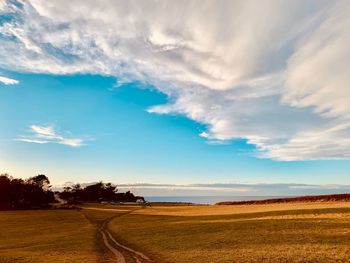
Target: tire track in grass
117	248
118	255
135	253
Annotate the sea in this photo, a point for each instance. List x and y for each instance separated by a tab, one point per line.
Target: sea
206	199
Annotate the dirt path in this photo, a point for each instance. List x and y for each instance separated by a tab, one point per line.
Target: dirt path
118	255
107	241
122	253
135	254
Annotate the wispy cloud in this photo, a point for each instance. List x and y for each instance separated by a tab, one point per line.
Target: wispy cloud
48	134
8	81
276	88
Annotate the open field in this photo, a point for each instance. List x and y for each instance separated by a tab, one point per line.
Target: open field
74	235
45	236
53	236
301	232
293	232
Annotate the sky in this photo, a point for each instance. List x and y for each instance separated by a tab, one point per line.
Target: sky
178	97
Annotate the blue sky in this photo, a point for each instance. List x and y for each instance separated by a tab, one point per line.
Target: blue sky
125	143
176	93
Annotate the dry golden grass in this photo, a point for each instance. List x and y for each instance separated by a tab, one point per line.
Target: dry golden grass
46	236
237	209
55	235
300	232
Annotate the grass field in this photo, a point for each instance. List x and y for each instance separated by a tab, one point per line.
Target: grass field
310	232
45	236
300	232
53	236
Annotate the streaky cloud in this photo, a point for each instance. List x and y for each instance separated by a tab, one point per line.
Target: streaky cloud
278	78
48	134
8	81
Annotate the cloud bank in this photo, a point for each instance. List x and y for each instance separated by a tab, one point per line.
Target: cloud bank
47	134
275	73
226	189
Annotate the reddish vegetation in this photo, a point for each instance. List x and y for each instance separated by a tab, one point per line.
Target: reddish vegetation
311	198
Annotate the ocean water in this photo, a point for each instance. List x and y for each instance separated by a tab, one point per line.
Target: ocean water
206	199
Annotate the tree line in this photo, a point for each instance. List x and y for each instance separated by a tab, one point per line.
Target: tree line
36	192
97	192
33	192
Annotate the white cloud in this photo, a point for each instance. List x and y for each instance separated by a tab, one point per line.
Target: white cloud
43	131
2	5
275	73
8	81
47	134
318	72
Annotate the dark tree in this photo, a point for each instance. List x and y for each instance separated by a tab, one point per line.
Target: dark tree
96	192
40	181
23	194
